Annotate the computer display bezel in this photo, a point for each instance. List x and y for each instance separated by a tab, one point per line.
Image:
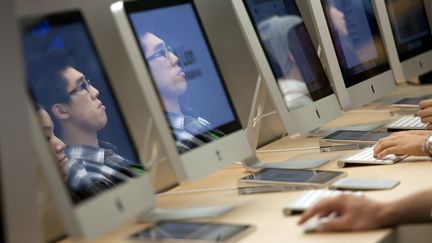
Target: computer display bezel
19	212
114	206
75	17
134	7
356	95
216	154
409	69
320	94
426	40
353	79
301	120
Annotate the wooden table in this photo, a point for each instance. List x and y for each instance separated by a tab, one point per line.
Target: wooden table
264	210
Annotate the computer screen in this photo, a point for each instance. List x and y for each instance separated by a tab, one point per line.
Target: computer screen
78	129
289	51
288	63
254	107
356	38
182	83
76	106
410	26
185	76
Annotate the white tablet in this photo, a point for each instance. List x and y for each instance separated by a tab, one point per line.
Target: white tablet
364	184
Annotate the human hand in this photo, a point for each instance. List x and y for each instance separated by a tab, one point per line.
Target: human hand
353	214
400	143
425	112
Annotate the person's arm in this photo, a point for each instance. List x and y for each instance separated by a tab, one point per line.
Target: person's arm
415	208
356	214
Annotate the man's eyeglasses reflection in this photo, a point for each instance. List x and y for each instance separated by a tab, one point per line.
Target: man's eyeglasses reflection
162	51
84	84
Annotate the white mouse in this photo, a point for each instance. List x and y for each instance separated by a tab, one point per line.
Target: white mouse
312	224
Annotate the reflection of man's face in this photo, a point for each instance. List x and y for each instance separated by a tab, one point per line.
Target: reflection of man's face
56	145
84	108
169	77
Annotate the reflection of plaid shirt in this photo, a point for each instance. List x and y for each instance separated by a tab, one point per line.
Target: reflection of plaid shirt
92	170
190	130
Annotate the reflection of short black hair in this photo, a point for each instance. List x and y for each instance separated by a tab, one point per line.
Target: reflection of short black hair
44	74
38	107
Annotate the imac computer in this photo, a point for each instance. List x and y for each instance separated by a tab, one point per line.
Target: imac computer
255	108
288	63
348	29
408	34
19	216
183	83
92	162
184	86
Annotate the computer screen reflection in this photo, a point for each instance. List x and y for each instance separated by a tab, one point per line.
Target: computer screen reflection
185	76
289	51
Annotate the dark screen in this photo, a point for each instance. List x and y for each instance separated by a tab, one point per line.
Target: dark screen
410	27
192	231
413	100
356	39
292	175
289	50
357	135
66	77
184	73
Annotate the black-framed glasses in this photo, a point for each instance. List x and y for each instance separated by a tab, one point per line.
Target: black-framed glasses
164	51
83	85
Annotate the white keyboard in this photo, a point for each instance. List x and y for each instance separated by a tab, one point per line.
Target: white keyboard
406	123
310	197
366	156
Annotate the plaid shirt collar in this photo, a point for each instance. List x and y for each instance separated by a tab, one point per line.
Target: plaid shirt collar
176	120
89	153
91	169
191	130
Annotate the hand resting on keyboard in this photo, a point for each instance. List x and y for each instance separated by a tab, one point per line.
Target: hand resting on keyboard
366	156
401	143
425	112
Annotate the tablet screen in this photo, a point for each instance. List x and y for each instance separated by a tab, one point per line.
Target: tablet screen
210	232
357	135
185	75
412	101
76	105
292	175
407	101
